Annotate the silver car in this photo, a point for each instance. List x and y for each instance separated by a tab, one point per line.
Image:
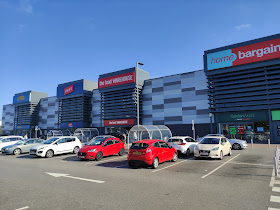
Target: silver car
22	146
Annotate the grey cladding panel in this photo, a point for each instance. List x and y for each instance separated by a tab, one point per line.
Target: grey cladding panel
159	89
201	92
160	106
176	118
202	111
172	100
189	108
188	89
172	83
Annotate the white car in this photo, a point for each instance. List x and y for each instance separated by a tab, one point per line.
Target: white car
183	144
9	140
57	145
238	144
213	147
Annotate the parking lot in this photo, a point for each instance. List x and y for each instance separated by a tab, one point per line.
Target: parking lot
241	181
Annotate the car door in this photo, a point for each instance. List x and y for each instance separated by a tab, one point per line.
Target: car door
165	149
69	144
27	145
108	147
60	146
157	151
117	146
224	146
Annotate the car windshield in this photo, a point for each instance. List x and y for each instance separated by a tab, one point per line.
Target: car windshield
139	146
210	141
97	141
49	141
20	142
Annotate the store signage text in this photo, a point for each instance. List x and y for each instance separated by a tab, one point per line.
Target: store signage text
70	125
117	80
242	116
242	55
69	89
119	122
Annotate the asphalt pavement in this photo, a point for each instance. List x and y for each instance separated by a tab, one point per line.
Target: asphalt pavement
241	181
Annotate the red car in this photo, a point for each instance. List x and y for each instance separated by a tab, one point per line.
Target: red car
100	147
151	152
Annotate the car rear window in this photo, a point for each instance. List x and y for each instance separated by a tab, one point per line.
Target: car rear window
139	146
175	140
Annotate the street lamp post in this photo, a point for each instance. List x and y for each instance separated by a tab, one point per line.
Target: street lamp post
211	127
137	92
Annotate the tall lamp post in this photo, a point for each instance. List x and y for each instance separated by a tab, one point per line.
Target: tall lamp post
137	92
211	127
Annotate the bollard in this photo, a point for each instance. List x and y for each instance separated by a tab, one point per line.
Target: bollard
252	144
269	143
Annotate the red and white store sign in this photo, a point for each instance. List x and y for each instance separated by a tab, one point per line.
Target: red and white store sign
119	122
117	80
69	89
70	125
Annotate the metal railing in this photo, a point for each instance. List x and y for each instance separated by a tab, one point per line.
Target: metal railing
276	161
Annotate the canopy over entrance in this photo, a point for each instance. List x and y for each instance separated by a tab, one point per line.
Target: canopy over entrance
149	132
86	134
54	133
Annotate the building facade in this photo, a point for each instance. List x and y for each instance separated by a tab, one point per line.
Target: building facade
244	89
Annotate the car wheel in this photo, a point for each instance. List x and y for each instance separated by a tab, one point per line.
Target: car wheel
188	153
155	163
229	154
175	157
76	150
236	146
221	155
49	154
121	152
99	156
17	151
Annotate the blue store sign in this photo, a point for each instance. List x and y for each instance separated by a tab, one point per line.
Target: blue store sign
71	125
21	98
70	89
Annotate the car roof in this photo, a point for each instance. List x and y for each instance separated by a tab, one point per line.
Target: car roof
176	137
148	141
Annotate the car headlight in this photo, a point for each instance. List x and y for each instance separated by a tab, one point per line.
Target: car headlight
41	148
92	150
215	149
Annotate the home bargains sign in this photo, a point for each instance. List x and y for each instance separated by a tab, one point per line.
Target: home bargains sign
119	122
243	55
116	80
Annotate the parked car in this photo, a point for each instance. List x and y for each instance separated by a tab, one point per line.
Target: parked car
238	144
183	144
151	152
213	147
56	145
9	140
101	146
21	147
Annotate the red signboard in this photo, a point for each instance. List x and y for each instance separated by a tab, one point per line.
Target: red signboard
117	80
257	52
69	89
70	125
119	122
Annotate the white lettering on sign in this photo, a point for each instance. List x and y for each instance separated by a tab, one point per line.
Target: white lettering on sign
259	52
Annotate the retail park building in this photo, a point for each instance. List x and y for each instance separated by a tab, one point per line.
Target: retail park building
236	94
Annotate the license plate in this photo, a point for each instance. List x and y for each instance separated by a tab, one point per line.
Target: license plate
204	153
81	156
136	153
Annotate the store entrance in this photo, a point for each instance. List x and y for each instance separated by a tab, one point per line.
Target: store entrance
256	131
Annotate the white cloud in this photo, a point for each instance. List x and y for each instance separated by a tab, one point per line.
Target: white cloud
21	27
242	26
26	6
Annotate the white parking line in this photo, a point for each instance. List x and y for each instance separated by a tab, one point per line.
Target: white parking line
272	208
276	189
97	162
272	181
275	199
252	164
277	182
170	165
219	167
26	207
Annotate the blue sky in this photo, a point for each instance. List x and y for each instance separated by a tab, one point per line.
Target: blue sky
47	42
